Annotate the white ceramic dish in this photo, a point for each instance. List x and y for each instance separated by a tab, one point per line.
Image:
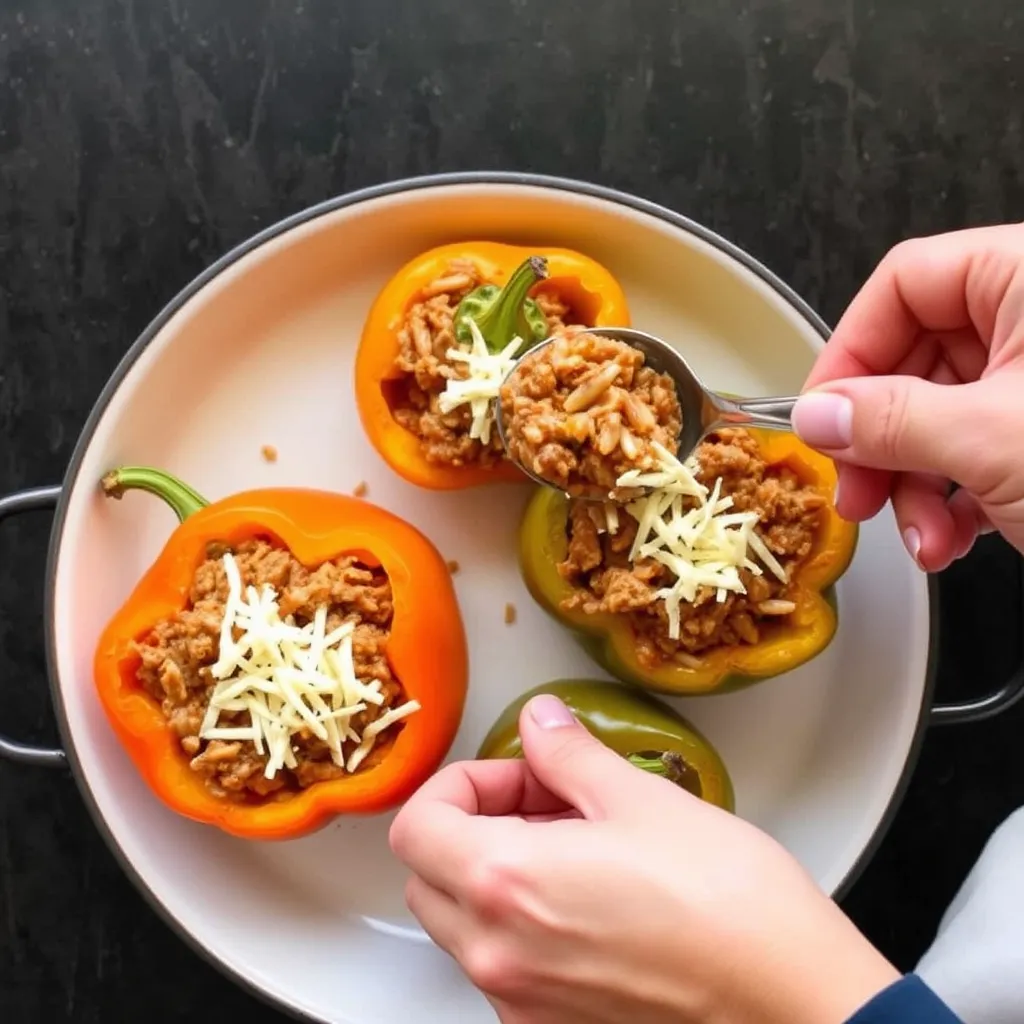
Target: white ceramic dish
259	351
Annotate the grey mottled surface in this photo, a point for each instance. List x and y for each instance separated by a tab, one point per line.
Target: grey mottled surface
140	140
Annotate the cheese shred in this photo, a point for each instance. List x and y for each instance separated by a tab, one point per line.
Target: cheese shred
290	680
689	530
486	374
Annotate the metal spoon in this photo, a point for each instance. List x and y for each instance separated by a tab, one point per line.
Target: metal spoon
703	410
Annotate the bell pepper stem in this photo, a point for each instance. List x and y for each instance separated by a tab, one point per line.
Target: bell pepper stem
182	499
503	314
668	765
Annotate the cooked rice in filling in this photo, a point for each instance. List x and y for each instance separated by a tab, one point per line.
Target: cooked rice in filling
585	409
424	338
605	581
178	653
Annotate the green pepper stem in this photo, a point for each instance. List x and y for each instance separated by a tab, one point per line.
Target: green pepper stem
183	500
669	765
503	317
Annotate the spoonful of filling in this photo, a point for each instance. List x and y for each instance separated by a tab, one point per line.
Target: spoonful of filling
596	413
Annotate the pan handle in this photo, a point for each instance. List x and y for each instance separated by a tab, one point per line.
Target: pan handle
982	708
36	498
31	500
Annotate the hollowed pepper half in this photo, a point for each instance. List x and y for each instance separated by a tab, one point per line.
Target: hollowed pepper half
645	731
426	649
503	308
609	639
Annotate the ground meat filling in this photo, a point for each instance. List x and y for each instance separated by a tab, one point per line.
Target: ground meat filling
585	409
424	339
604	581
176	658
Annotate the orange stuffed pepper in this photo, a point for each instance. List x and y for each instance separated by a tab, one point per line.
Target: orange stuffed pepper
292	655
442	335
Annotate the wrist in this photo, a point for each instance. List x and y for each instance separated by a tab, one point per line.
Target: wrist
834	972
908	999
846	987
847	972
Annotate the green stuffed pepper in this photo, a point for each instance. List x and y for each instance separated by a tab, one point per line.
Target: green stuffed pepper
645	731
793	631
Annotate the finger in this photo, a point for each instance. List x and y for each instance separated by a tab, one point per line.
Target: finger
930	284
440	916
945	357
921	357
903	424
943	373
570	815
970	521
459	814
490	788
440	842
861	493
964	352
571	763
924	519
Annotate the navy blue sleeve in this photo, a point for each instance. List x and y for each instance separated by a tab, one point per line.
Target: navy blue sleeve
907	1001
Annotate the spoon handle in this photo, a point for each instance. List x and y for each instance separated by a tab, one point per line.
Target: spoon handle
767	413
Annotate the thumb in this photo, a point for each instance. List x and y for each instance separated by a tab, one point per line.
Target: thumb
899	423
575	766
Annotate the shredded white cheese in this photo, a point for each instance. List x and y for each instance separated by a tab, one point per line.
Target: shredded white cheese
289	679
487	372
611	518
691	532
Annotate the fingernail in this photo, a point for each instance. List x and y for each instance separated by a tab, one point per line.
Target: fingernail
835	493
550	713
823	420
912	540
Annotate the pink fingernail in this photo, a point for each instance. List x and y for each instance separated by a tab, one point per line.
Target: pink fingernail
550	713
823	420
912	540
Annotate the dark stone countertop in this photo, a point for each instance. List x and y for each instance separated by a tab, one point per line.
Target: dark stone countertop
140	140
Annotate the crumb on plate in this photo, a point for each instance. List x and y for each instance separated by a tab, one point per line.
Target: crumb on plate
510	614
269	453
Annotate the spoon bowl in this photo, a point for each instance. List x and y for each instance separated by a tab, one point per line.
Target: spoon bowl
703	411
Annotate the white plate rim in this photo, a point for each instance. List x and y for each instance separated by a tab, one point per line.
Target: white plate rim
281	227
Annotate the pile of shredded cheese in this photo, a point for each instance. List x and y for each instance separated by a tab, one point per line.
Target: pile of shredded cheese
691	532
290	679
487	372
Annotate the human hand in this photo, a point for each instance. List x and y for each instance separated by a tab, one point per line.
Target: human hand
925	383
572	886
